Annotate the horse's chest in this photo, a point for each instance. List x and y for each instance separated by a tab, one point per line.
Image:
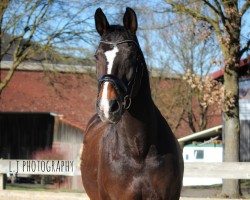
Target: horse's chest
120	173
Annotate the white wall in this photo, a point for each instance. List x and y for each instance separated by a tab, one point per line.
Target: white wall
206	153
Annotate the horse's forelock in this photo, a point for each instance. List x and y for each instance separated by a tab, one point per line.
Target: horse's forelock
117	33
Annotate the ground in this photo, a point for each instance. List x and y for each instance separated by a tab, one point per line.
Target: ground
188	193
210	192
200	192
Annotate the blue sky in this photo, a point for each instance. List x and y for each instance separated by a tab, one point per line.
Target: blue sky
141	7
114	11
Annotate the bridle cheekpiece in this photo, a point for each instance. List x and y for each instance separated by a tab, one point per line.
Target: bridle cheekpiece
118	84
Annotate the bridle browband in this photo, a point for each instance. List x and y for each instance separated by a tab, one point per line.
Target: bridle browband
118	84
120	42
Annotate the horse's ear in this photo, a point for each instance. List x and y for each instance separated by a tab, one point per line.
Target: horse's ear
130	20
101	22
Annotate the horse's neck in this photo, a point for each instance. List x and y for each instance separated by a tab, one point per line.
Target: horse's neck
138	125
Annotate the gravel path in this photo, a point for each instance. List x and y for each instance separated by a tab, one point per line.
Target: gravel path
35	195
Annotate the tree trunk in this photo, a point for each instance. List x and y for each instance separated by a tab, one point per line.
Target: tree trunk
3	6
231	188
226	19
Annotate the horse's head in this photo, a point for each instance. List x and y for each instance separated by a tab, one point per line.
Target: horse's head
118	65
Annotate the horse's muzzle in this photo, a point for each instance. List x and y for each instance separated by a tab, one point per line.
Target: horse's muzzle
113	98
109	110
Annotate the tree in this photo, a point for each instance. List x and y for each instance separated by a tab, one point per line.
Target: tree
225	18
190	48
41	30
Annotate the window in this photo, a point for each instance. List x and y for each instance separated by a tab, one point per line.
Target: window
198	154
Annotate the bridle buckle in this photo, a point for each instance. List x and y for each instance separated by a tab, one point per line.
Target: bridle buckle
126	102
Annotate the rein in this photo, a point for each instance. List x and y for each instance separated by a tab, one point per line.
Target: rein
118	83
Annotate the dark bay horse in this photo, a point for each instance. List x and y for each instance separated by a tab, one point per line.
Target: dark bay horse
129	151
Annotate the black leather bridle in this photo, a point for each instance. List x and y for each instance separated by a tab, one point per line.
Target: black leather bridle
124	91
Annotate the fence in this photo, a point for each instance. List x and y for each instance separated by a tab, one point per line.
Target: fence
38	167
226	170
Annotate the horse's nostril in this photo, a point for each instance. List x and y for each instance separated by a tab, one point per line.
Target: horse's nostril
114	105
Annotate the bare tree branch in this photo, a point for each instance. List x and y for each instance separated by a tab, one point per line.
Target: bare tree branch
181	8
246	48
218	12
245	7
34	29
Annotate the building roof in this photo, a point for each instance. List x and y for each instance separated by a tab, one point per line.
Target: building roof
69	94
208	133
204	145
243	69
28	66
65	68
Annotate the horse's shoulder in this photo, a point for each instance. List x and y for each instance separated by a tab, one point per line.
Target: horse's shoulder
92	122
94	128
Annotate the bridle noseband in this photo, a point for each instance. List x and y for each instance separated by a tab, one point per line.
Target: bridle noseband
120	87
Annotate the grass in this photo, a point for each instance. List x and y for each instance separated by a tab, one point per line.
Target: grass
245	183
205	187
38	187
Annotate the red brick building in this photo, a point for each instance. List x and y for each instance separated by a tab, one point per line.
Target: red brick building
70	91
34	90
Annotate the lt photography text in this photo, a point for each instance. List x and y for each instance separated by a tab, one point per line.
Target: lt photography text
41	166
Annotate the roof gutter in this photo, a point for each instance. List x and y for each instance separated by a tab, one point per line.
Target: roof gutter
205	133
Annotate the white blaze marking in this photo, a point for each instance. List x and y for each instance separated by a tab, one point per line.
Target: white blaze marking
110	55
104	103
